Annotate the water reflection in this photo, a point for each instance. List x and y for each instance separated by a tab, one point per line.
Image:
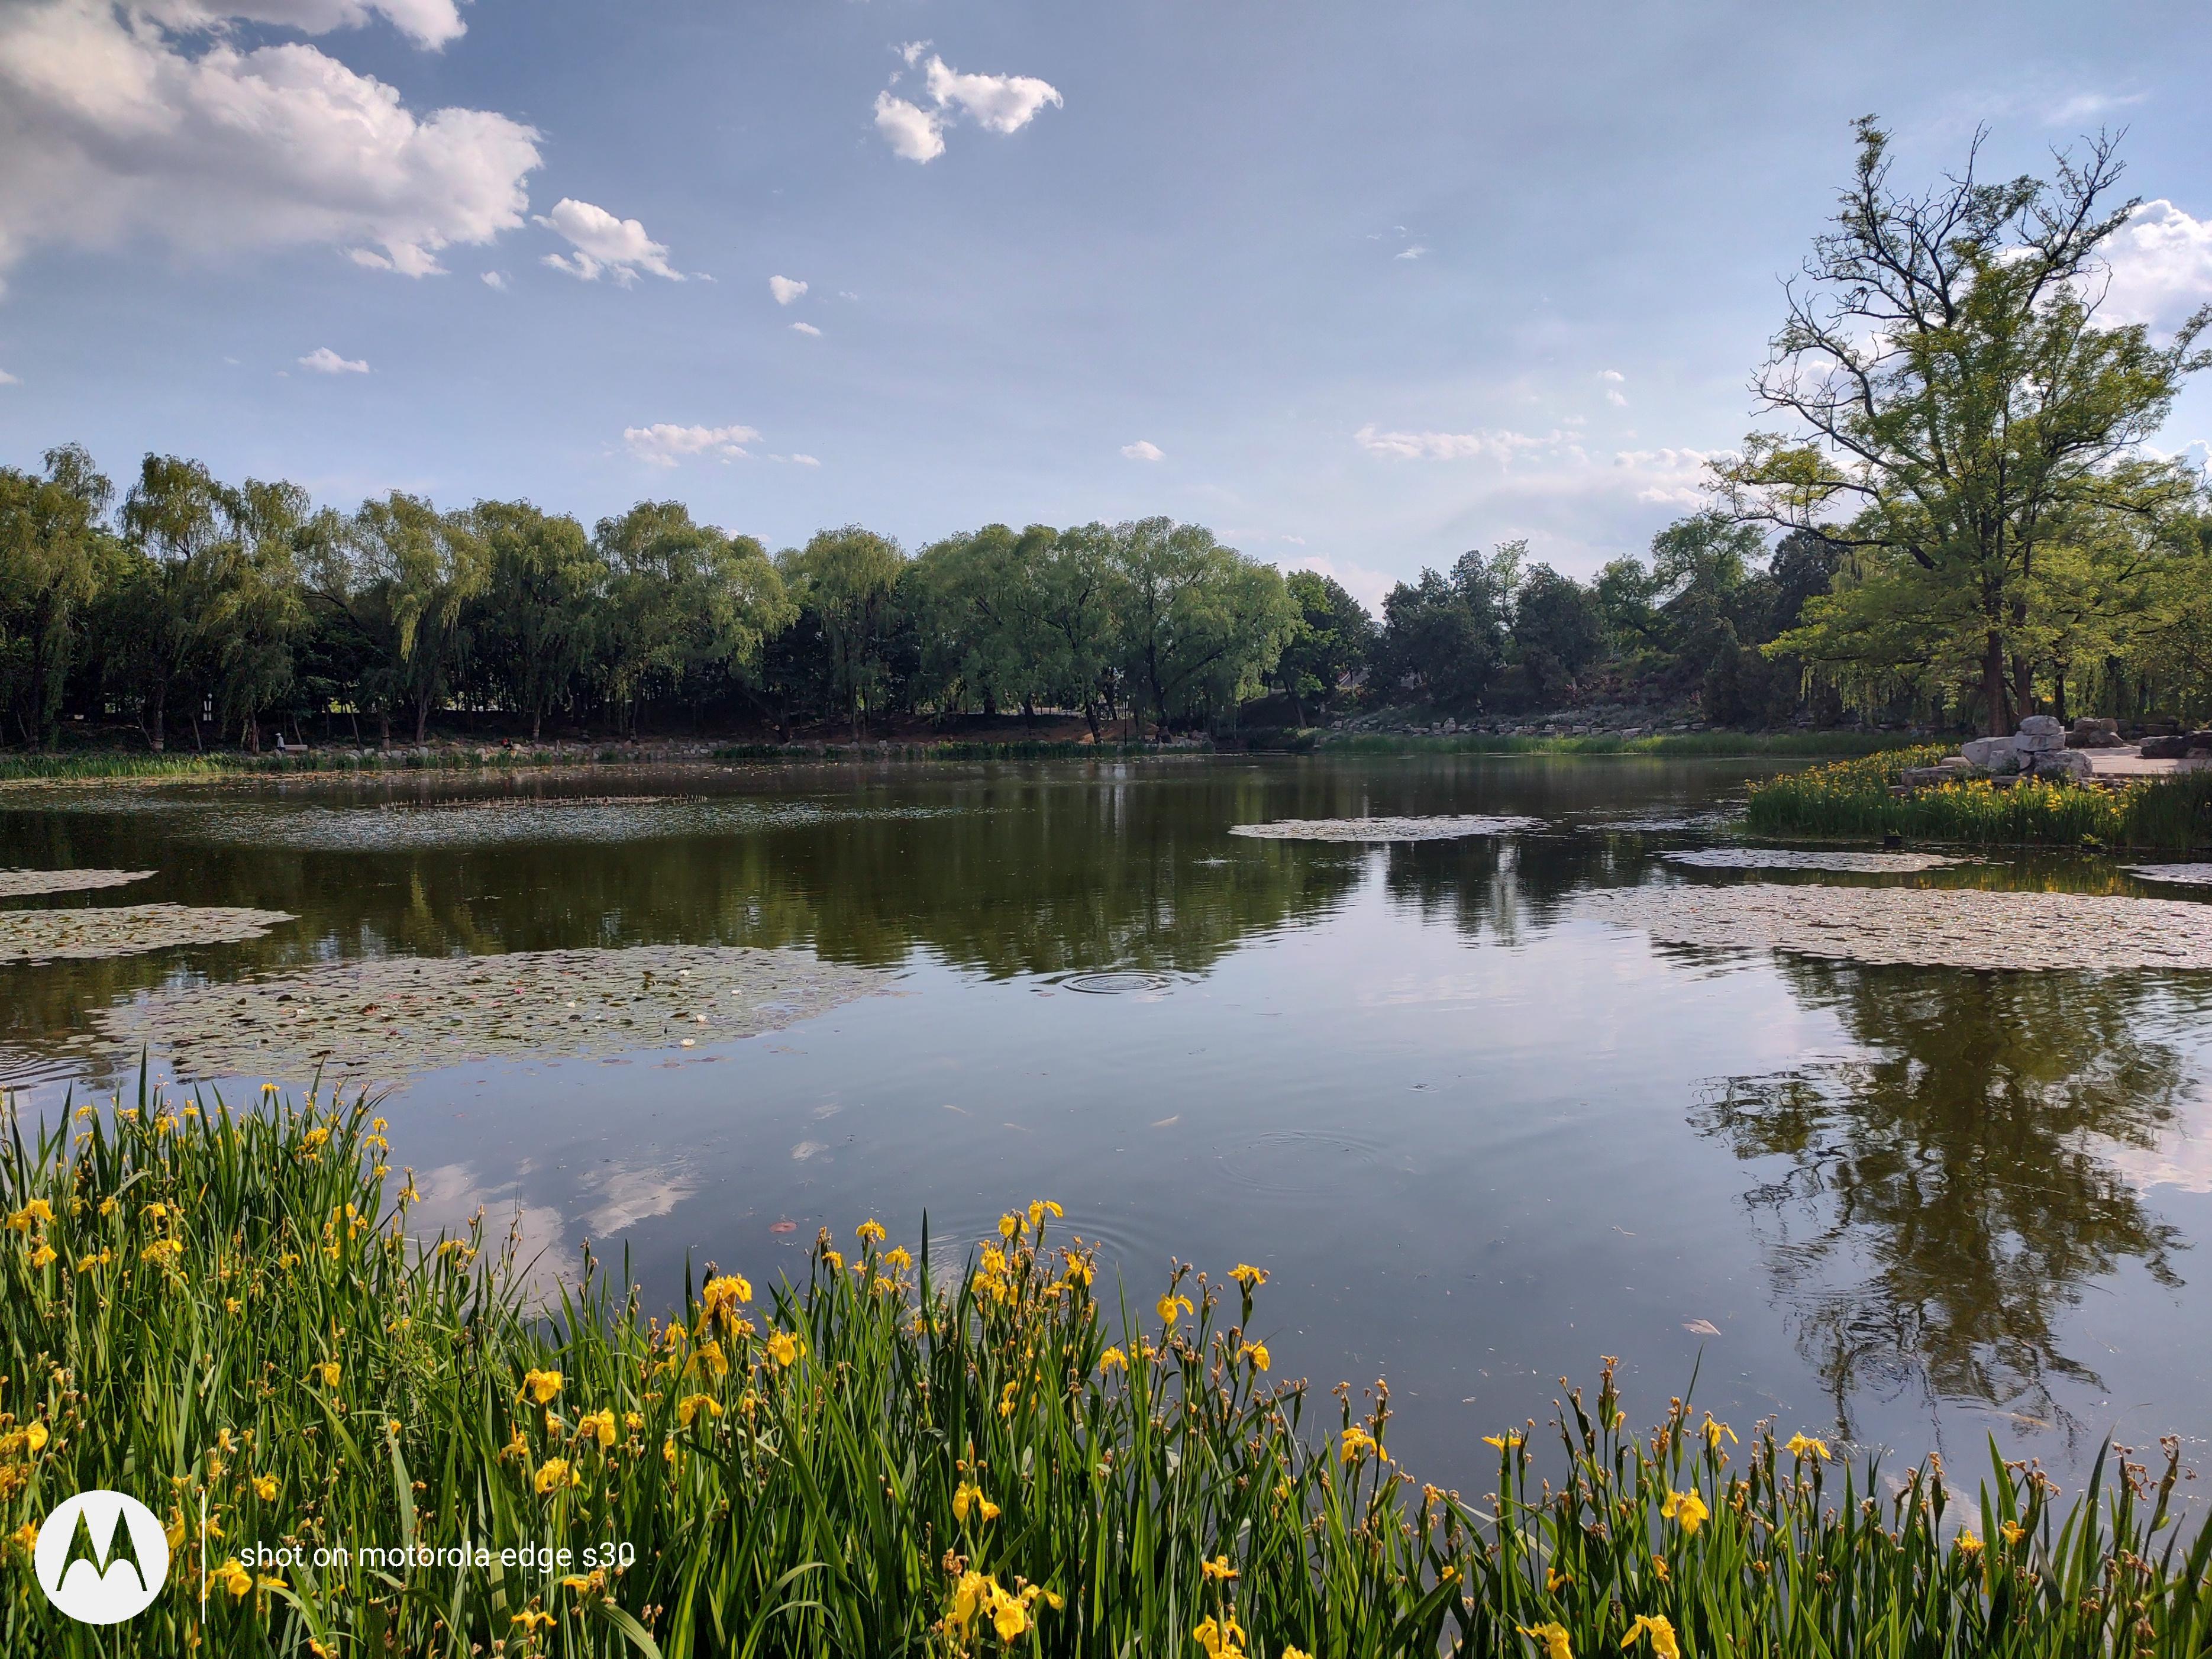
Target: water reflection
1937	1209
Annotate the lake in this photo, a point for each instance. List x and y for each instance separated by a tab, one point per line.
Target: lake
1477	1137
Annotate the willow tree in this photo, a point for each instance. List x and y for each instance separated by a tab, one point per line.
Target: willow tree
51	548
847	579
1958	405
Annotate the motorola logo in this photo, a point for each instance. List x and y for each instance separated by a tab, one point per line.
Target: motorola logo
102	1558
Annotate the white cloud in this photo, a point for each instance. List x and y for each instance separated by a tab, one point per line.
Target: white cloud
665	445
6	379
1615	398
429	22
786	288
1452	446
604	244
1296	541
911	133
2160	265
806	328
1667	477
1412	252
804	460
1144	450
997	103
1612	374
497	279
2090	107
1365	585
323	360
113	127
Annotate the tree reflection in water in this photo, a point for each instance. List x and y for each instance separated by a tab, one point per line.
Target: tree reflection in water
1946	1201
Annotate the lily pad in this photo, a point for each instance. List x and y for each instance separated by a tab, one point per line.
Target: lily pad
21	883
1380	830
387	1017
1774	858
1923	927
125	930
2181	875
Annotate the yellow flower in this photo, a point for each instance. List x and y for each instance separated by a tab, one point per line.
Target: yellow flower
837	1261
1969	1545
2013	1531
233	1577
1217	1568
784	1348
899	1256
162	1251
1009	1225
1358	1442
328	1371
1110	1360
106	1208
1800	1445
1008	1616
44	1256
1661	1633
1505	1443
1167	1305
540	1386
969	1596
1258	1354
35	1437
870	1231
710	1358
969	1495
1290	1652
599	1425
552	1473
688	1407
532	1622
1037	1208
1551	1635
1222	1640
1250	1277
25	1538
1686	1507
264	1487
1714	1432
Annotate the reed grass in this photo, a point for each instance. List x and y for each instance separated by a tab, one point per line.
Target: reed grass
229	1314
1854	799
1684	744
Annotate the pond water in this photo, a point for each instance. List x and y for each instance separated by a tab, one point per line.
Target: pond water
1478	1137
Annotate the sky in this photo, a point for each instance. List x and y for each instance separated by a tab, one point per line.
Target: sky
1358	286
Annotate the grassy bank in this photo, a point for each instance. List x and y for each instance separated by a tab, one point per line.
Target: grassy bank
230	1311
1685	744
949	750
1853	799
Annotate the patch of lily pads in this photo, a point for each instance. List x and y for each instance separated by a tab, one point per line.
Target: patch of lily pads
1775	857
126	930
389	1018
1439	828
23	883
2180	875
1923	927
396	827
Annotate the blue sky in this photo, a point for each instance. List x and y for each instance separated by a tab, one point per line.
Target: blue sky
1359	286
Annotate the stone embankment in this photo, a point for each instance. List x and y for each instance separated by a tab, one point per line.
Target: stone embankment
2092	751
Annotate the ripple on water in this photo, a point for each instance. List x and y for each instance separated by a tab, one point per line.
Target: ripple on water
1297	1163
1117	982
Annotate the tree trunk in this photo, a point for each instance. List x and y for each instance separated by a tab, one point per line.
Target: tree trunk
1993	686
160	735
537	718
421	720
383	728
2059	694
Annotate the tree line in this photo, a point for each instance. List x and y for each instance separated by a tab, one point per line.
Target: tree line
1964	520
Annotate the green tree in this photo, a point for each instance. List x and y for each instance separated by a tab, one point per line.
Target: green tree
53	546
1558	629
403	575
847	579
258	606
1199	624
1330	641
1443	637
539	604
688	605
1958	405
980	603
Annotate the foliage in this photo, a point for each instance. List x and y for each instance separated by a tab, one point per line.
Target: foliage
1677	745
1329	645
1967	430
880	1460
1443	637
50	546
1854	799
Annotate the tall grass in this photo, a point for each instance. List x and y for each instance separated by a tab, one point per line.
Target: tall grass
1854	799
226	1315
94	767
950	749
1687	744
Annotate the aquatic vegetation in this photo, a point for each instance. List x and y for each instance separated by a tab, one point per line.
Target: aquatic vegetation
23	883
1923	927
1687	745
1443	827
1854	799
1775	857
385	827
2185	875
388	1017
126	930
880	1459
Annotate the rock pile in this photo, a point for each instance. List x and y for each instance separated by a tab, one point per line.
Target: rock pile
2041	748
2182	746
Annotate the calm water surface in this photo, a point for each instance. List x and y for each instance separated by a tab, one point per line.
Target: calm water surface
1478	1139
